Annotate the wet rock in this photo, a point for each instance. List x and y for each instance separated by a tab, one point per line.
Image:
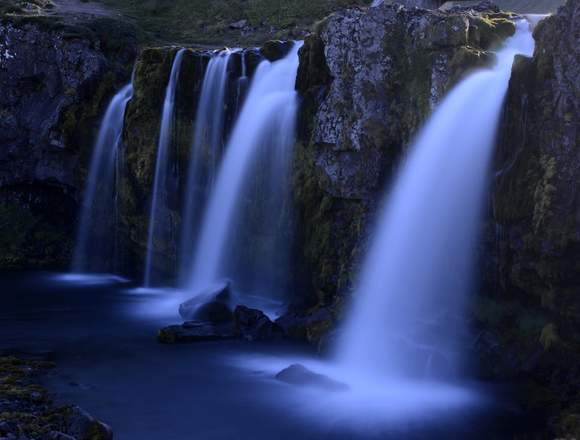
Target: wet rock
254	325
196	331
27	411
532	245
55	80
211	304
274	50
83	426
299	375
369	78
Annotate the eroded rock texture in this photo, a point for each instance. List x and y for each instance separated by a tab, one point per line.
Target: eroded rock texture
141	137
369	78
55	80
532	301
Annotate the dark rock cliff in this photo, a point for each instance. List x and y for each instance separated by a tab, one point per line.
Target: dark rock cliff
55	80
369	78
531	306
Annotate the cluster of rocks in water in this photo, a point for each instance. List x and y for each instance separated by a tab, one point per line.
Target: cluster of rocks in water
211	316
27	411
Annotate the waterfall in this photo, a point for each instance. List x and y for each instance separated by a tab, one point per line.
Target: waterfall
206	150
95	243
160	221
407	311
264	128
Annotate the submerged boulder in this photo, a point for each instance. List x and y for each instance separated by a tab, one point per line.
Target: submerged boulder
299	375
254	325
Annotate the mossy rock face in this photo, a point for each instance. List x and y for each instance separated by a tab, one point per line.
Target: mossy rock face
141	137
55	81
532	243
274	49
368	79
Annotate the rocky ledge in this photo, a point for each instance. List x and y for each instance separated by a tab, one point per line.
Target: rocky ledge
27	411
56	75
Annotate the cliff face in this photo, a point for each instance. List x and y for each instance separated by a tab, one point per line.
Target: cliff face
141	138
55	80
531	307
369	79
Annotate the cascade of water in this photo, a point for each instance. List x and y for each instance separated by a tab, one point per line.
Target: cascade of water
206	151
242	83
409	301
160	221
265	127
95	249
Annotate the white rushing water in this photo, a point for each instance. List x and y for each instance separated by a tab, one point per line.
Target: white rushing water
160	222
265	124
406	320
95	243
206	151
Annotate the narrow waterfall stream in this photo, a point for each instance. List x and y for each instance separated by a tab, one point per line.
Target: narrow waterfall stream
96	237
206	151
406	320
264	126
160	221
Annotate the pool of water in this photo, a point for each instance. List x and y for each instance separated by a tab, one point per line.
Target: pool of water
102	334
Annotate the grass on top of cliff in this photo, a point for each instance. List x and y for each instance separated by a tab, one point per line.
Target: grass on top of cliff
235	22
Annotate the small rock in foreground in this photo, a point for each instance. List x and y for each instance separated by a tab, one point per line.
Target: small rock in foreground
299	375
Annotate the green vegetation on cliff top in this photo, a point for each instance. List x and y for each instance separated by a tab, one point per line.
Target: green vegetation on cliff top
237	22
244	22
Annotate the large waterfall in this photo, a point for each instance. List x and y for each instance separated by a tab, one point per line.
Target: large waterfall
161	224
206	150
407	315
264	128
96	238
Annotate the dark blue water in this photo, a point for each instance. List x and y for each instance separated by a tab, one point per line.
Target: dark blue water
110	363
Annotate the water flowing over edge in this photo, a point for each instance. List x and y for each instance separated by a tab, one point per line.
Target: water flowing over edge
406	319
101	188
159	210
207	141
269	110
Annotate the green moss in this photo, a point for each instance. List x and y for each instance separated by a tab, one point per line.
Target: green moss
208	21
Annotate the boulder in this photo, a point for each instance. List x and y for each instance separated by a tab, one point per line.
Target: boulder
210	304
274	50
299	375
254	325
195	331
